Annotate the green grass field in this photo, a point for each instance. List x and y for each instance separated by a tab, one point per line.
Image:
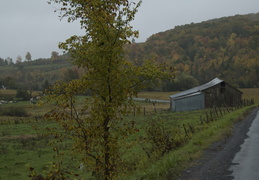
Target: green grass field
22	147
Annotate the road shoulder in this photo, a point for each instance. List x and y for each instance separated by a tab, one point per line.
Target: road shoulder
218	158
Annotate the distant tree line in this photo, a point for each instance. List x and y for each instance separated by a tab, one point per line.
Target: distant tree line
28	58
7	61
36	75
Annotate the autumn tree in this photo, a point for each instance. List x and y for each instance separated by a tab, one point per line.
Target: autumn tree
46	84
9	61
28	56
22	93
18	59
112	80
2	62
70	74
54	55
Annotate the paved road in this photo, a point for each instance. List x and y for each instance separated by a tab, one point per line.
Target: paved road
246	161
152	100
217	162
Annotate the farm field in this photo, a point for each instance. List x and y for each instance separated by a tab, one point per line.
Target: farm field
22	144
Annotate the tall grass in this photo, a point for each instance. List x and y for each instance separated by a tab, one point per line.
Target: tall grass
172	164
14	111
22	147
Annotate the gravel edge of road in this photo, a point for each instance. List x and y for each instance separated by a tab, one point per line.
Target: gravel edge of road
218	158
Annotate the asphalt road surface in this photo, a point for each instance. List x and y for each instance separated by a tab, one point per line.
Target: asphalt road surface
246	161
152	100
236	157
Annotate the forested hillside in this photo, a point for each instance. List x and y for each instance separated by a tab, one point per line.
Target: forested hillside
37	74
226	48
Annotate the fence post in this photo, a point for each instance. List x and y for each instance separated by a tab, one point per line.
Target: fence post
227	108
186	133
220	112
216	111
154	104
211	116
191	128
201	119
207	117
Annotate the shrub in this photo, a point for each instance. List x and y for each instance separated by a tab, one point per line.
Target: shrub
22	93
161	138
13	111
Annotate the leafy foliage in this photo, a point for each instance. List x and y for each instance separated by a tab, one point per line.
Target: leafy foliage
226	48
28	56
162	139
22	93
97	128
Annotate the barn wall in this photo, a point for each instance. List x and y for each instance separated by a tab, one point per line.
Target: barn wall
214	96
222	94
188	103
218	95
233	96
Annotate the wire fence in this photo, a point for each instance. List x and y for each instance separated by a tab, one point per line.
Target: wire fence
153	108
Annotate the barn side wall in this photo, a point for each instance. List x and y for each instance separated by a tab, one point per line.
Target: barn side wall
233	96
222	95
188	103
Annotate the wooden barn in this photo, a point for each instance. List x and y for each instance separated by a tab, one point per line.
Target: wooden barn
216	93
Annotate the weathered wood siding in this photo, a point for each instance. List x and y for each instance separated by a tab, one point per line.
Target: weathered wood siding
222	95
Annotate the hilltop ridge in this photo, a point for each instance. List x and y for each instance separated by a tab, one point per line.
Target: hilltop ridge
226	47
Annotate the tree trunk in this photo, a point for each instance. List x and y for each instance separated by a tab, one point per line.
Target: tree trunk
107	157
107	168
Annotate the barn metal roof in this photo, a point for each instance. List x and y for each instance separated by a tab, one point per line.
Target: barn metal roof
197	89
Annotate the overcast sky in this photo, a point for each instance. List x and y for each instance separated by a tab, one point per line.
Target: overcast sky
33	26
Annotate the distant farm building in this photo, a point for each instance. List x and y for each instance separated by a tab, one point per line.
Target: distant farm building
216	93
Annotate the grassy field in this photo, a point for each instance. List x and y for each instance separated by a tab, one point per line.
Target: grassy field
172	164
22	147
251	93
